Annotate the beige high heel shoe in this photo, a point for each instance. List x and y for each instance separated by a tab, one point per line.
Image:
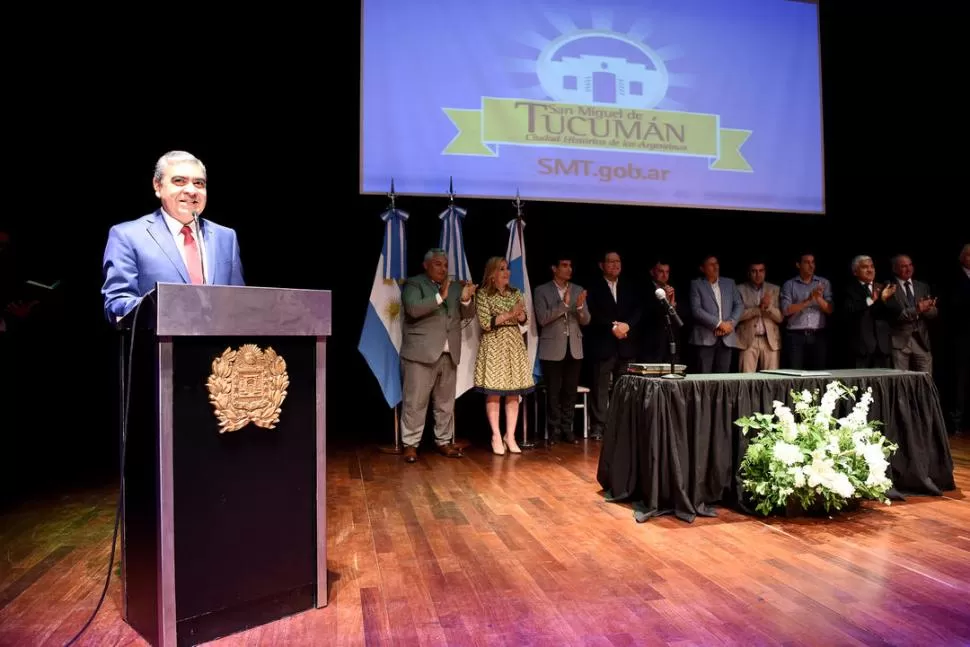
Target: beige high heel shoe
498	446
512	445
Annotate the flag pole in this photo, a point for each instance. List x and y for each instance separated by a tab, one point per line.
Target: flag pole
460	443
524	415
396	448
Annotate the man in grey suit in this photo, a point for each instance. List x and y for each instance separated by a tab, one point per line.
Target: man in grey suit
909	309
716	306
560	311
434	309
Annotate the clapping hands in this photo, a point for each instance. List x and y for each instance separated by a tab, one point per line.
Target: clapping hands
468	291
888	291
766	300
621	329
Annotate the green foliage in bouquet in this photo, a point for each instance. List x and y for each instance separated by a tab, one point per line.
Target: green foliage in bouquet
810	457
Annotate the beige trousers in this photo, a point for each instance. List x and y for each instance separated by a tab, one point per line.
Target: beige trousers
759	352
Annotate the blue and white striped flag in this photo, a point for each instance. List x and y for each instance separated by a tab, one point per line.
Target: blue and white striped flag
380	339
519	278
453	242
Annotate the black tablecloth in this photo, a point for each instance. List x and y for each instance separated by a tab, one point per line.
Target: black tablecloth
671	446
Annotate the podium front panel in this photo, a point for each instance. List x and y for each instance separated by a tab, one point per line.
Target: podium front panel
244	500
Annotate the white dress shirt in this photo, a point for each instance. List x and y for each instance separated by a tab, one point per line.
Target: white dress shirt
440	300
716	289
175	227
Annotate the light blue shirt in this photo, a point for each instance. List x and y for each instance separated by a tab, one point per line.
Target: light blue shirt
795	291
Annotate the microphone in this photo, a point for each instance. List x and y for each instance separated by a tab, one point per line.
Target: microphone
671	311
198	228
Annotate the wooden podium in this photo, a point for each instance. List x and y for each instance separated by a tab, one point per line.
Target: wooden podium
224	475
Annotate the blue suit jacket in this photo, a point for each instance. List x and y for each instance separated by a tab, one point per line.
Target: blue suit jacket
141	253
703	308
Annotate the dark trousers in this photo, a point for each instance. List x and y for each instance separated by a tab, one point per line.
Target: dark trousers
806	350
714	359
562	379
605	374
876	359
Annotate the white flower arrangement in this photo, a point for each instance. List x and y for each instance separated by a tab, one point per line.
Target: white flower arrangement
810	457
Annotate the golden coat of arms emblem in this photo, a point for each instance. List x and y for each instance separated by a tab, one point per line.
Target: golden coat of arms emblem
248	385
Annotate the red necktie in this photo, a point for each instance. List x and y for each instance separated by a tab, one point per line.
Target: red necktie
192	256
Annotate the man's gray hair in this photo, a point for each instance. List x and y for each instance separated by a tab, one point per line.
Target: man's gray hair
898	258
434	251
858	260
174	157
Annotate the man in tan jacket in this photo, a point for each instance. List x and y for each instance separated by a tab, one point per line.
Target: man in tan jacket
758	335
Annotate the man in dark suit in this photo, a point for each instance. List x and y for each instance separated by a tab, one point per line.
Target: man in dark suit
166	246
561	311
434	309
911	307
957	318
866	316
615	308
655	338
716	307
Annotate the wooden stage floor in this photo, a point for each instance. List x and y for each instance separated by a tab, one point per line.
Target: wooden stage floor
522	550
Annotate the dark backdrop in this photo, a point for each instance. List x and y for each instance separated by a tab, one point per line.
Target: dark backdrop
270	105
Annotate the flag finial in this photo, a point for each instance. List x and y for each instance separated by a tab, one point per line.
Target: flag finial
451	189
391	194
518	205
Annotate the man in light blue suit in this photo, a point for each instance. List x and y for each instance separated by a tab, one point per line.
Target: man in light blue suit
716	307
165	246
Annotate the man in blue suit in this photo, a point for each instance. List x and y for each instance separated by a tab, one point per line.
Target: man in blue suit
716	307
165	246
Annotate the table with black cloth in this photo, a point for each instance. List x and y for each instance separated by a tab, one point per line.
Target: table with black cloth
671	446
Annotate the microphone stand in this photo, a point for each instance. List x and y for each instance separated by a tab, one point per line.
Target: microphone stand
672	349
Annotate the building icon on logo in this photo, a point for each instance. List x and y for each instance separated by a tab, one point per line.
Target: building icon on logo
595	78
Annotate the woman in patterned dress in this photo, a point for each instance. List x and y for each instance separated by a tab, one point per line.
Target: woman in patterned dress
502	365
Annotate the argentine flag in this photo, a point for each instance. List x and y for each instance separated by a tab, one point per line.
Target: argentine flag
453	242
380	340
519	278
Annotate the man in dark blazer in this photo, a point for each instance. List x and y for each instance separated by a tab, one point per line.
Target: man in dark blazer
867	316
716	307
911	307
615	308
561	311
654	339
434	309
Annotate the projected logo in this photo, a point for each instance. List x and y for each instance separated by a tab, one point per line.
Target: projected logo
597	89
602	68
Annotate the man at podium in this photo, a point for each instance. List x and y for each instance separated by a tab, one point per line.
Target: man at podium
166	246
